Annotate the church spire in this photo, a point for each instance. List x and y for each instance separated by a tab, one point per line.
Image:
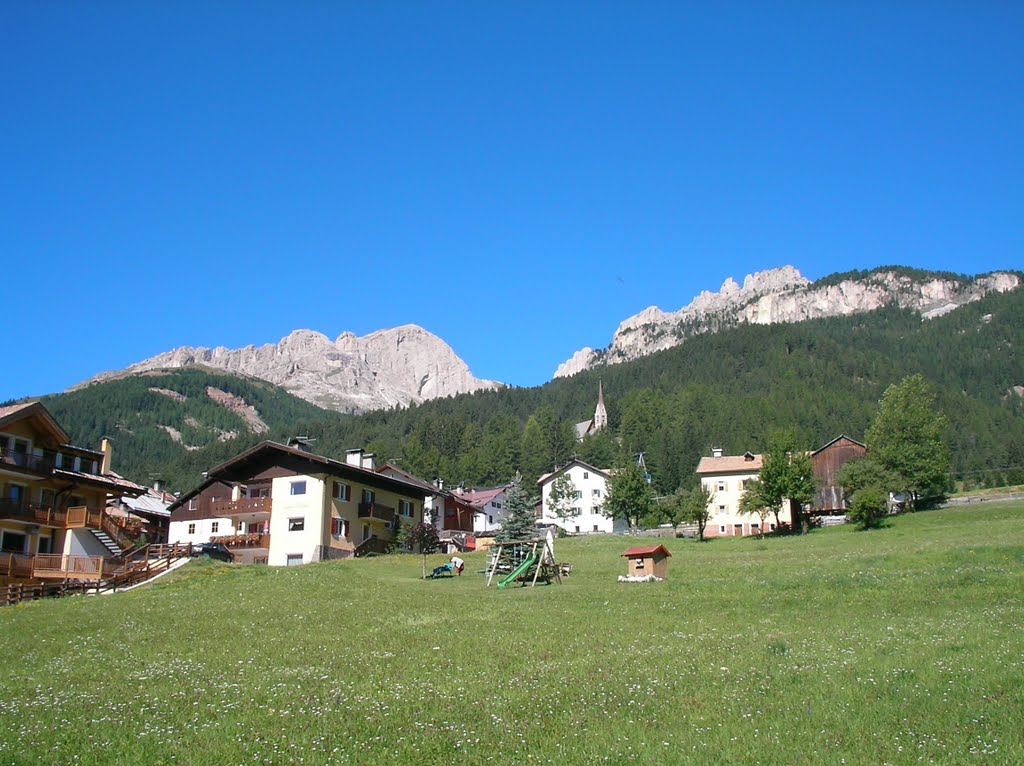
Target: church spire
600	414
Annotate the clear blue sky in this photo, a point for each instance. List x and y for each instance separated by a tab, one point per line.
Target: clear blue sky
515	177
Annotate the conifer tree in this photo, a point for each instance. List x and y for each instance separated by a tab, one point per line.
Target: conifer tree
519	522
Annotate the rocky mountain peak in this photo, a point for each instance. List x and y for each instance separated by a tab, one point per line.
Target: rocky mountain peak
387	368
785	295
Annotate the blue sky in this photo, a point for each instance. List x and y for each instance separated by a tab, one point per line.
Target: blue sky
515	177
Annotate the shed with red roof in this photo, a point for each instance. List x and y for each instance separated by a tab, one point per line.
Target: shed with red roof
648	560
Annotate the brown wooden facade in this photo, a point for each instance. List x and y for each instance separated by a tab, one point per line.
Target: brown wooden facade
827	461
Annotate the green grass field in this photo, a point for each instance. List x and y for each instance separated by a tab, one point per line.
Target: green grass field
898	646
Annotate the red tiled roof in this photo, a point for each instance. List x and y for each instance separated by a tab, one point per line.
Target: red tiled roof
479	496
730	464
646	550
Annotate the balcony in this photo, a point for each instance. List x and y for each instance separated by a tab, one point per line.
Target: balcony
44	515
244	506
28	462
376	512
250	540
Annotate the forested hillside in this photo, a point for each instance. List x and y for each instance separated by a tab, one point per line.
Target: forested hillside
731	389
155	418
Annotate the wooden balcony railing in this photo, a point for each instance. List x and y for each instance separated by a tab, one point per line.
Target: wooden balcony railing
38	463
244	505
78	516
376	511
67	567
15	565
249	540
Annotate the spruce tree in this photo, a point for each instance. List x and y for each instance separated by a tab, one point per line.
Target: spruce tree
519	521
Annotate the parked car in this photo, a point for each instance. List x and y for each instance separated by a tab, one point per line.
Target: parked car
217	551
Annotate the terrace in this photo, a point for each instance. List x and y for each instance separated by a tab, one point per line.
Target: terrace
71	518
376	512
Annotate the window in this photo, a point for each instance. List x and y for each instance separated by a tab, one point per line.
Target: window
192	502
192	529
368	496
46	498
721	509
297	488
339	527
293	560
495	504
721	529
297	525
755	528
596	493
577	529
596	509
586	474
12	542
214	527
490	519
67	462
577	495
341	491
721	486
595	527
405	508
771	527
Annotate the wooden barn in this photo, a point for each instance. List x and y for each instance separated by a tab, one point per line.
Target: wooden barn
827	461
648	560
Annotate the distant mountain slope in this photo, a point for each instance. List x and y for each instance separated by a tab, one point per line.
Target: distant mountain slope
783	295
394	367
730	389
156	416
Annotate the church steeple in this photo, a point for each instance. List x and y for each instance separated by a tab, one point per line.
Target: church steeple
600	414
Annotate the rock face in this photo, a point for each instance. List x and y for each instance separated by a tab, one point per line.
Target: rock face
784	295
400	366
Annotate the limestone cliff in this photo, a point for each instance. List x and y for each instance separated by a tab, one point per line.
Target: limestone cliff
398	366
784	295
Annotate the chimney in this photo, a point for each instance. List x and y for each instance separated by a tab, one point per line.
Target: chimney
354	457
368	461
716	452
106	447
159	485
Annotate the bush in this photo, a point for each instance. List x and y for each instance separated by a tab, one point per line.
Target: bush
868	507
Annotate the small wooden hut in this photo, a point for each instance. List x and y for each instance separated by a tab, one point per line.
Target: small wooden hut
645	560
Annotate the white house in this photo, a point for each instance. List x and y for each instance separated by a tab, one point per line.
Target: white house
584	515
490	501
283	505
726	477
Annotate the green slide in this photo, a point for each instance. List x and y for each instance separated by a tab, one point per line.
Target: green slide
511	578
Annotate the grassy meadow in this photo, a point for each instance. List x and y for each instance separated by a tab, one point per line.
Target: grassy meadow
898	646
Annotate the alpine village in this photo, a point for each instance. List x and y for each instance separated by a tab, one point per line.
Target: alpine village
797	475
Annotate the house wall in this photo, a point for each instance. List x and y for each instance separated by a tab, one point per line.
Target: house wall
286	543
82	542
726	519
492	517
203	530
590	519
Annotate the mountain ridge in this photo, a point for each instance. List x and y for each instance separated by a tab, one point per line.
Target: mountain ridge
783	295
386	368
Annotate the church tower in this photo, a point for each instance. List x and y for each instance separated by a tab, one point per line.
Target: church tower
600	414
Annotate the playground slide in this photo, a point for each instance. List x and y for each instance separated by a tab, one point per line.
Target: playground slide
511	577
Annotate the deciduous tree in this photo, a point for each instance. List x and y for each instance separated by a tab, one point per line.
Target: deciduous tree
908	438
629	495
